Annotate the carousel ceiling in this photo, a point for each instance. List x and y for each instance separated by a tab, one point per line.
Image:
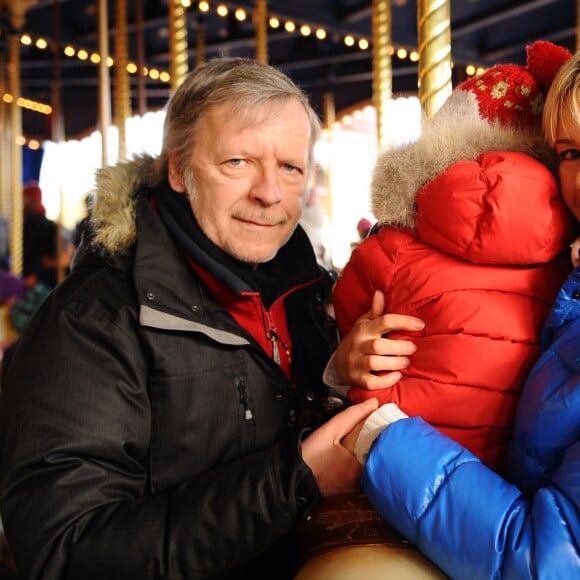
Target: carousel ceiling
483	33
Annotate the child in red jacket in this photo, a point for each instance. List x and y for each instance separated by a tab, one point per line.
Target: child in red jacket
472	238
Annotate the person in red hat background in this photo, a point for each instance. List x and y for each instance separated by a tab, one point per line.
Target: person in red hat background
468	519
39	239
363	227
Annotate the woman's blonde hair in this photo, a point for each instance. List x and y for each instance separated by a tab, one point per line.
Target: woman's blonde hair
563	99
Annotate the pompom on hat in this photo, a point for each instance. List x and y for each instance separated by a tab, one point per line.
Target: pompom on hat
513	95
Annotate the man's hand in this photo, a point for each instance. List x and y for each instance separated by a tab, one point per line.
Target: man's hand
365	351
335	469
575	252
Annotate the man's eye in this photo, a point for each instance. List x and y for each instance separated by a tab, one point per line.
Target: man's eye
569	155
290	168
235	162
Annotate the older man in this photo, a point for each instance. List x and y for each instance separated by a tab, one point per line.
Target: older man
154	415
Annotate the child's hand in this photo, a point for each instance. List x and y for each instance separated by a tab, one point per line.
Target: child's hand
349	441
361	437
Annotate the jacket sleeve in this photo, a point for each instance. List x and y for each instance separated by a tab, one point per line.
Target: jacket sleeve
75	427
369	268
466	518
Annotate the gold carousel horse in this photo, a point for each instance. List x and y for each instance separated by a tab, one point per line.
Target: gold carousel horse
344	538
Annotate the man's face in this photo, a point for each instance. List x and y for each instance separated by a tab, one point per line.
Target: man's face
568	148
250	175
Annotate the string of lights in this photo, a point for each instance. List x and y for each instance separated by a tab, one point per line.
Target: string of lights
222	9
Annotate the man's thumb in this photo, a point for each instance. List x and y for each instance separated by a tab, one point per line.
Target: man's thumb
377	305
360	412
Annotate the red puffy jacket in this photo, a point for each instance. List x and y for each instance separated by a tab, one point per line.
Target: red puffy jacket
481	268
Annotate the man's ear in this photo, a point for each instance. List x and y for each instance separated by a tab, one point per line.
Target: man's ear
174	176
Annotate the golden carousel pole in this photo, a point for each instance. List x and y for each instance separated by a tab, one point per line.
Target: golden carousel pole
178	43
329	111
140	36
382	64
58	135
4	144
261	26
104	81
6	329
200	44
329	117
434	34
122	92
15	151
57	120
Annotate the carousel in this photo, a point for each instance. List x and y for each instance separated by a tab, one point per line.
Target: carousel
343	538
120	64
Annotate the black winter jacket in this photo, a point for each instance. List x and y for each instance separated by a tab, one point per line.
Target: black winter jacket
126	447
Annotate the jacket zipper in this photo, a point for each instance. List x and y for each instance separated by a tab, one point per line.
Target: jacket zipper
276	340
244	399
273	337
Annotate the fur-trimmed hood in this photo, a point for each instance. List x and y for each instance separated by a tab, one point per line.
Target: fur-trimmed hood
455	133
114	200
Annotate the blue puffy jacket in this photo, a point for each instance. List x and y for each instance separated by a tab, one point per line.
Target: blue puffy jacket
466	518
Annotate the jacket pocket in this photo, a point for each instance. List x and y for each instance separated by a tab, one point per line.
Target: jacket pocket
198	421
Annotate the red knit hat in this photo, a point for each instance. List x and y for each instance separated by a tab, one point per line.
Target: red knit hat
364	224
32	196
513	95
32	192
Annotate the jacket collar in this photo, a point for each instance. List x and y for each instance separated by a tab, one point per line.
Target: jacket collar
125	187
294	264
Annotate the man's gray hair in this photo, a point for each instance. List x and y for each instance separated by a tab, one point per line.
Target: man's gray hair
245	83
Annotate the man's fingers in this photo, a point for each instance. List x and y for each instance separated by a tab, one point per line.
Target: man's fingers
377	305
379	347
395	322
383	354
382	381
345	421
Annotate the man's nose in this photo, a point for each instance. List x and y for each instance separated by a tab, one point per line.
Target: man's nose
266	187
